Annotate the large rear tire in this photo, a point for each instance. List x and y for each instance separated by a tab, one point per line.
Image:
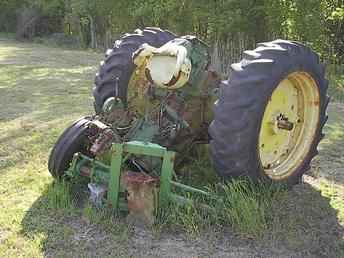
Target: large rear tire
118	66
269	118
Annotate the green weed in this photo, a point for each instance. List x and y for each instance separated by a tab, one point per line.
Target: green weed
95	215
59	196
247	206
241	204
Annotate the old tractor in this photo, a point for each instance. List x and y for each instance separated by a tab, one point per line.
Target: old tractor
157	97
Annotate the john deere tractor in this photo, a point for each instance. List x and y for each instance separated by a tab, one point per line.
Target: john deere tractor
156	97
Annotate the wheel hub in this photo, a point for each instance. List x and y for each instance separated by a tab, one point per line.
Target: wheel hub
289	124
283	123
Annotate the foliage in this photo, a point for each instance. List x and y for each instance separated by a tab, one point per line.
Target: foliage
97	22
8	9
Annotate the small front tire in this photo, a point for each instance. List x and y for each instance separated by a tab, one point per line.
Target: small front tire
74	139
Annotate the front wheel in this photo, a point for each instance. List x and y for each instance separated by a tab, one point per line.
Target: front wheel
268	120
74	139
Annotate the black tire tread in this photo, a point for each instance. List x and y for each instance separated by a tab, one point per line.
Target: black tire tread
71	141
119	64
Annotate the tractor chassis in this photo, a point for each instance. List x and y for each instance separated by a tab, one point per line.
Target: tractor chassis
153	193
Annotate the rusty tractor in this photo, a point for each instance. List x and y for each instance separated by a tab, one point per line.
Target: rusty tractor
157	97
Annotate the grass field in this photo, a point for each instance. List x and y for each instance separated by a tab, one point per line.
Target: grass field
43	89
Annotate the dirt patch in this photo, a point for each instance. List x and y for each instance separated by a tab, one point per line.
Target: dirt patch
215	244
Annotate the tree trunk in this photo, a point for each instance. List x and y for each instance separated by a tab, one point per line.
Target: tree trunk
93	32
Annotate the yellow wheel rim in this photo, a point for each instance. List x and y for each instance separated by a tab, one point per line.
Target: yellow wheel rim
289	125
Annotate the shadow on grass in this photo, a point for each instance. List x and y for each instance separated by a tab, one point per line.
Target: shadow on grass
66	231
304	221
301	223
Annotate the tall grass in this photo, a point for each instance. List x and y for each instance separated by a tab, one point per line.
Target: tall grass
247	206
59	196
95	215
242	205
193	217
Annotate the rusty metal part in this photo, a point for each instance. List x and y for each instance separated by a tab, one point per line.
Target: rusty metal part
103	141
97	125
142	192
102	137
174	118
